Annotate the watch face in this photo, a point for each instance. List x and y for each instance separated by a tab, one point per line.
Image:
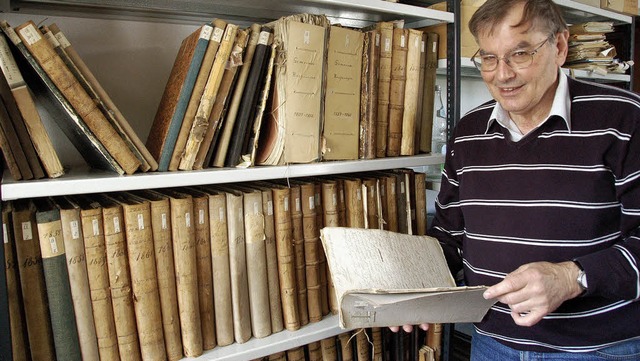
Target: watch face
582	280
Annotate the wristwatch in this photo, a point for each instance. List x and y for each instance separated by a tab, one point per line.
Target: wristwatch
582	278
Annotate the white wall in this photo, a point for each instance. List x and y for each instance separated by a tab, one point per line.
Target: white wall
133	59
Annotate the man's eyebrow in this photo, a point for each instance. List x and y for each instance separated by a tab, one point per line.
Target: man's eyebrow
521	45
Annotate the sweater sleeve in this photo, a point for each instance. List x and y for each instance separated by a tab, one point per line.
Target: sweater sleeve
614	272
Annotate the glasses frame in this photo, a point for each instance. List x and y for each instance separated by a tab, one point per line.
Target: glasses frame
506	58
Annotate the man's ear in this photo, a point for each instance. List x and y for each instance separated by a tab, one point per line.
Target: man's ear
562	46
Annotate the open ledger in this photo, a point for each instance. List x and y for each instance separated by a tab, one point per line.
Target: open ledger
383	278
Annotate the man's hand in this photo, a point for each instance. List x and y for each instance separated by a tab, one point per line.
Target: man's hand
409	328
536	289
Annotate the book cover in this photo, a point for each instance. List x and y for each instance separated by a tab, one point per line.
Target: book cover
384	82
98	275
204	265
92	93
165	270
56	276
341	128
295	207
185	261
48	96
166	124
420	187
411	86
216	117
109	105
428	92
17	346
12	149
26	105
369	94
397	90
195	100
72	236
69	86
331	218
329	352
136	222
389	295
32	281
119	276
312	251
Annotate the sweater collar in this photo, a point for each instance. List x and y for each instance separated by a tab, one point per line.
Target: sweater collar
561	107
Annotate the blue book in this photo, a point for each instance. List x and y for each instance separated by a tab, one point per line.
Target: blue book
173	104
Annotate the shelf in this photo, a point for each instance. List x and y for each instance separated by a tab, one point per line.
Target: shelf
355	13
467	69
84	180
575	12
281	341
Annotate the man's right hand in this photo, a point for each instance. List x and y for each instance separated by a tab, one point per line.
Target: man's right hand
409	328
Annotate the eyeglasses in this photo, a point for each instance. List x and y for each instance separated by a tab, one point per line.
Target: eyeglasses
517	59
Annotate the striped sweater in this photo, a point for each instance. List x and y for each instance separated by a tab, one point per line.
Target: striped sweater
558	194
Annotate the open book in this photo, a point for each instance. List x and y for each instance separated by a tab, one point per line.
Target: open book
383	278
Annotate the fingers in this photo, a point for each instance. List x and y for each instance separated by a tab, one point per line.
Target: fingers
394	328
409	328
526	319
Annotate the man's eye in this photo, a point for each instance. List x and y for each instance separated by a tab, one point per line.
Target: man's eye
488	58
519	54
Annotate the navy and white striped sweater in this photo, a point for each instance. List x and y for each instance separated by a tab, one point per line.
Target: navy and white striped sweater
555	195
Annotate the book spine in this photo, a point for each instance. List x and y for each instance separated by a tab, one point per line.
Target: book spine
329	352
220	262
18	349
272	262
362	345
296	354
384	83
54	265
286	265
120	281
98	274
257	276
312	251
32	284
238	268
397	90
354	205
204	266
434	339
314	350
78	97
165	269
392	203
428	92
370	203
422	70
376	347
79	282
331	216
411	91
144	283
323	268
14	147
346	347
369	94
298	251
184	255
421	203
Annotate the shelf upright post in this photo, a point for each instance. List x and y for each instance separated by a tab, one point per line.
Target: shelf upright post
5	335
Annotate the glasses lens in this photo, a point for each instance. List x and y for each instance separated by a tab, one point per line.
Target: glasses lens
488	62
521	58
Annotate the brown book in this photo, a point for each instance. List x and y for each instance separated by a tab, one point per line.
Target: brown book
175	98
295	206
428	92
369	94
119	276
397	90
219	154
278	356
341	128
363	351
411	86
330	205
15	154
371	203
329	352
142	266
384	83
323	268
354	202
42	50
32	283
296	354
312	251
204	265
314	350
421	203
72	234
196	98
215	121
346	347
423	64
21	129
15	302
185	261
256	253
91	92
403	204
238	267
98	275
376	347
389	194
434	340
286	256
27	109
218	233
104	97
160	211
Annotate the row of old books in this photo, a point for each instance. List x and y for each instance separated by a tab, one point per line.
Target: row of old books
368	344
42	72
296	90
169	273
590	50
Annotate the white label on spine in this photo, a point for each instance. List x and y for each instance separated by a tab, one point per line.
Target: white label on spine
221	214
217	34
9	66
116	224
75	229
423	45
206	32
264	38
64	42
163	216
187	219
54	245
5	236
30	34
297	202
358	194
269	208
256	207
201	216
387	44
27	234
402	41
377	39
140	221
286	204
434	47
312	202
96	227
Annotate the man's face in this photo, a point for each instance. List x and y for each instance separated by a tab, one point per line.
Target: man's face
527	93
